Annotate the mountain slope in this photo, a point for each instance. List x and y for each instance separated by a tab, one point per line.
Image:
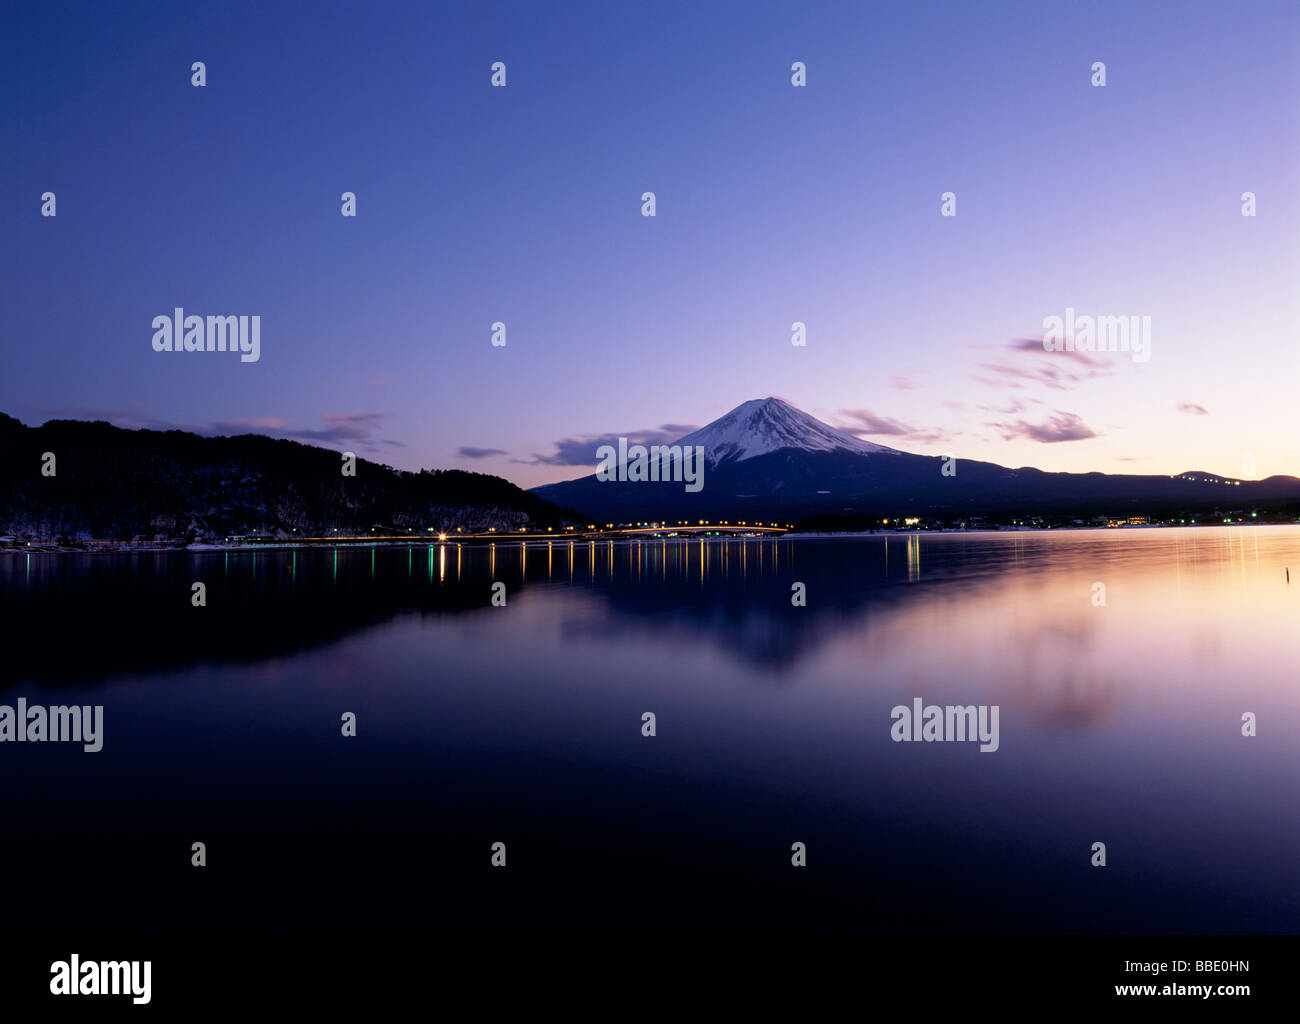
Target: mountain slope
116	484
768	460
766	425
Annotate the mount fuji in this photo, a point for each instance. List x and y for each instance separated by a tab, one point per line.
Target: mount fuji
766	425
765	459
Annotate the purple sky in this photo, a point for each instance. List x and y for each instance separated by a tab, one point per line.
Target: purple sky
775	204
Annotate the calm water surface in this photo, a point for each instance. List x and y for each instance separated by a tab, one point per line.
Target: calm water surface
1119	724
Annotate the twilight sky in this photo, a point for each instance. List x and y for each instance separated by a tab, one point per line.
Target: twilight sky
775	204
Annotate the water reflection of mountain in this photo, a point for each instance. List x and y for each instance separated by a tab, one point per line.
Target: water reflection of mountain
86	617
739	596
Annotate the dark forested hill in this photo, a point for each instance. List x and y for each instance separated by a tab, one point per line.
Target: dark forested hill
116	484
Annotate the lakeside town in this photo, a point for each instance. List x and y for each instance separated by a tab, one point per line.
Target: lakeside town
380	536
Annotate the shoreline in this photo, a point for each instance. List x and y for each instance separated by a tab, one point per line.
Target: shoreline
156	547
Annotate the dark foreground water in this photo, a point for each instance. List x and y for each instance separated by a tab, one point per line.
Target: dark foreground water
1119	724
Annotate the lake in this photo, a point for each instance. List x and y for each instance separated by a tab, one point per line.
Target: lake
1121	663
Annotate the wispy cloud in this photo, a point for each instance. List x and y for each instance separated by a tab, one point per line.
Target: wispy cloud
360	429
1060	371
1192	409
1036	345
470	452
1063	426
1012	407
344	427
863	421
581	451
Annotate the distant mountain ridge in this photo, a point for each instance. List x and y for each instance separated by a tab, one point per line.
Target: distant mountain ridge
766	459
173	486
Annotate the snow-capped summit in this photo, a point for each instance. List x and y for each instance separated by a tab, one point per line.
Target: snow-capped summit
767	425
